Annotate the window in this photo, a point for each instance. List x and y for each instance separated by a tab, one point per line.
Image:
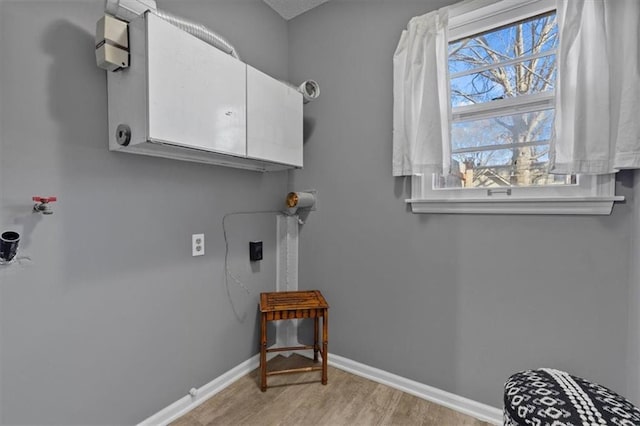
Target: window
502	105
501	72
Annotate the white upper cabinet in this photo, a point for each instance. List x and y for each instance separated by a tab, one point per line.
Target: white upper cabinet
196	92
274	119
182	98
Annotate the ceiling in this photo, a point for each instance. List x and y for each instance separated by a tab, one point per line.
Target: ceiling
291	8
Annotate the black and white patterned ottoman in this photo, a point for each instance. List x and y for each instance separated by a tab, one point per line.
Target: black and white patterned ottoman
547	397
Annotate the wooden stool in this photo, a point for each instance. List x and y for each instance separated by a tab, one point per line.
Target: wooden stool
294	305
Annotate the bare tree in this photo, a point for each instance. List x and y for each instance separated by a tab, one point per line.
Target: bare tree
501	75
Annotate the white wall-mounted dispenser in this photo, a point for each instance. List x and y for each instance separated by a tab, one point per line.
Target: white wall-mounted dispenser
112	43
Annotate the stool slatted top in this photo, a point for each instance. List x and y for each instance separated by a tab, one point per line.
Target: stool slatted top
288	300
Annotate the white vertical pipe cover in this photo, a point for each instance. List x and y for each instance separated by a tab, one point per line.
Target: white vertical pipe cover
287	275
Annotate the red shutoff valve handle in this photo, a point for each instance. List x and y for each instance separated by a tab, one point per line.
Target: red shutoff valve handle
44	199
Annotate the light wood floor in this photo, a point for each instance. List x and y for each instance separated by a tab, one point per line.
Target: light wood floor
345	400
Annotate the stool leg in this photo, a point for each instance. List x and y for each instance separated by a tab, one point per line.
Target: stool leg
316	332
263	353
325	342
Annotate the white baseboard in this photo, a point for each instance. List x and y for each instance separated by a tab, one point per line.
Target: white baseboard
455	402
458	403
188	403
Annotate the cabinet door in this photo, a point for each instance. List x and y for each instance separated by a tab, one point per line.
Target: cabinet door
274	120
196	93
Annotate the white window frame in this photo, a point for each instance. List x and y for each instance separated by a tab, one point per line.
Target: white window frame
593	195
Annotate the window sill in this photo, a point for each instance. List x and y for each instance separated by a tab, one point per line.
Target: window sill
538	205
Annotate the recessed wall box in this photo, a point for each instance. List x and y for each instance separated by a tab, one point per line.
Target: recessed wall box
112	43
255	250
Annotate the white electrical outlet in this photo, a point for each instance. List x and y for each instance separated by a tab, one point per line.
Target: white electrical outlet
197	245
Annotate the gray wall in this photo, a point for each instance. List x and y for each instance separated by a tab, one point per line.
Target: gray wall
113	320
633	359
458	302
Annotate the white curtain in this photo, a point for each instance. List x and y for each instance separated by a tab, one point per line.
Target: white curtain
597	126
421	97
